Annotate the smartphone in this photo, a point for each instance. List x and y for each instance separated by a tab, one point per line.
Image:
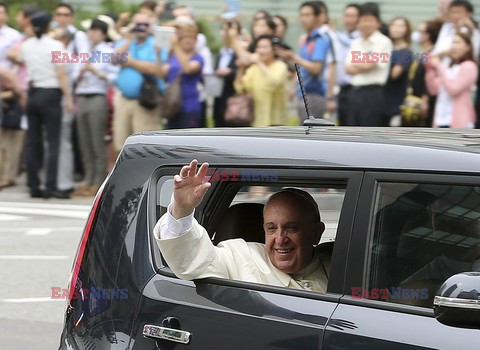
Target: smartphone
163	36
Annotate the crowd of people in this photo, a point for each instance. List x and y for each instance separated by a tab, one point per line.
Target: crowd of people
70	97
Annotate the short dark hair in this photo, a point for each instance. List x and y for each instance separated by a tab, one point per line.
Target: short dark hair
5	6
467	5
29	10
283	20
370	9
264	37
313	5
432	28
355	6
66	5
150	4
264	12
269	21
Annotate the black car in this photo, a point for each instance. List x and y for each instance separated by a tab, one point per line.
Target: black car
402	211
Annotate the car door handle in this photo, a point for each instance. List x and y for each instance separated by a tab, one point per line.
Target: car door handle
165	333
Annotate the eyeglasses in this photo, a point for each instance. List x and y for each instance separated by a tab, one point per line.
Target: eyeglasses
63	14
142	24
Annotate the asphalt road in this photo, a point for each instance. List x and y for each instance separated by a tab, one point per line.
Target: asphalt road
38	242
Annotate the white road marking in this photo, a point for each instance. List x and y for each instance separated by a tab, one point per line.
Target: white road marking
75	214
8	217
33	257
45	205
38	231
53	229
29	300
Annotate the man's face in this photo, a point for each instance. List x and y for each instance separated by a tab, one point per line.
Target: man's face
367	25
457	14
308	19
3	16
350	18
63	16
141	24
290	233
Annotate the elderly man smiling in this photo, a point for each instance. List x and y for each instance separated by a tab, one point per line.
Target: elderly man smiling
292	228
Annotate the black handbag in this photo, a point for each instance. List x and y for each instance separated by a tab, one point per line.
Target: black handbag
12	113
149	94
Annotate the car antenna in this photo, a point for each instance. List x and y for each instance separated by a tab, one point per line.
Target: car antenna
311	121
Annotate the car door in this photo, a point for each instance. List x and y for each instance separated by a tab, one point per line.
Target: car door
222	314
412	232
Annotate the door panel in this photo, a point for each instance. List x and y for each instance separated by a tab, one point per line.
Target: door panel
411	232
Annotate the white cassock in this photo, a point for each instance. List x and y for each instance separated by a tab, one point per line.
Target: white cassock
190	254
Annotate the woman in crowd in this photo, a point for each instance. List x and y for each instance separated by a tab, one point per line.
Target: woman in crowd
400	33
281	26
48	82
187	62
428	34
226	69
453	84
265	80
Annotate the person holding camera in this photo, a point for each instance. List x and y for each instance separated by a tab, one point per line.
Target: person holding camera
131	115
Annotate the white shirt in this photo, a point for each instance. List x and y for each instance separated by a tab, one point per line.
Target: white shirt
37	56
8	37
90	82
444	104
445	39
190	254
225	57
378	43
345	41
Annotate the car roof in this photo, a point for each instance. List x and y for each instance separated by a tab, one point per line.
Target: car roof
416	149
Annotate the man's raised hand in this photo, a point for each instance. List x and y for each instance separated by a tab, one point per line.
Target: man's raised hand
189	189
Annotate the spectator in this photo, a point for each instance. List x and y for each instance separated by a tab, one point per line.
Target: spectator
460	14
8	37
185	61
75	42
351	14
416	77
311	57
129	116
330	71
453	84
92	82
266	81
281	26
400	32
48	81
185	17
12	140
226	69
369	72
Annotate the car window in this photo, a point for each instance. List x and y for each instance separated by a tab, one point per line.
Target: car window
328	198
422	234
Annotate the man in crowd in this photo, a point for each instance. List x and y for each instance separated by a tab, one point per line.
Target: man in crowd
142	63
351	14
288	258
8	37
311	57
77	40
369	64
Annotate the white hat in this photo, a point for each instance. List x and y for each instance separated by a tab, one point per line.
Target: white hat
111	33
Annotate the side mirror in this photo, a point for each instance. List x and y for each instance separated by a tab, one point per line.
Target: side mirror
457	302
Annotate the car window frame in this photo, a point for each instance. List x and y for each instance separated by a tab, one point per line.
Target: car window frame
362	236
214	199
